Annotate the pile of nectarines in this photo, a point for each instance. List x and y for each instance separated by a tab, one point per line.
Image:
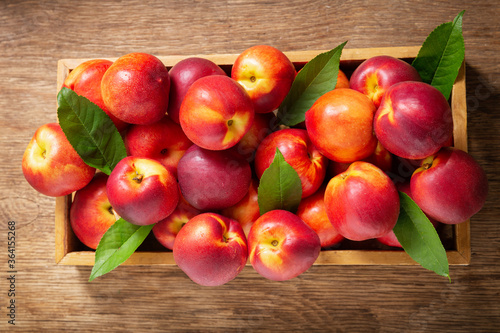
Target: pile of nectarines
198	140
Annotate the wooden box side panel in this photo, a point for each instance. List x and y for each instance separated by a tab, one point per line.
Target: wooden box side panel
68	254
459	109
64	236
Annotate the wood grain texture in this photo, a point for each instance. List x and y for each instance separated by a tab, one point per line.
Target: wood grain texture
52	298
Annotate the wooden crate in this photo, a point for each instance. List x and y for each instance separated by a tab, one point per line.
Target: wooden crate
70	251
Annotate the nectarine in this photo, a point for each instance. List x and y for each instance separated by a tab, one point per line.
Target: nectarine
340	125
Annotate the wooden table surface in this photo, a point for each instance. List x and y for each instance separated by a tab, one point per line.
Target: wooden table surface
50	297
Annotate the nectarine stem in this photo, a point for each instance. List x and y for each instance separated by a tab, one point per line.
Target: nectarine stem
427	163
113	212
138	178
274	243
253	78
229	122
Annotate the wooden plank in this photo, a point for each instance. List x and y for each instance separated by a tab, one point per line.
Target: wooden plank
459	108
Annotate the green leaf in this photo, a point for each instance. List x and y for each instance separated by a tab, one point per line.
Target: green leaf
90	131
316	78
441	55
279	187
419	238
117	245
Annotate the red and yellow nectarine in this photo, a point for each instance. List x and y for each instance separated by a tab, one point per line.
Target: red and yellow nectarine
340	125
216	112
362	203
136	88
51	165
211	249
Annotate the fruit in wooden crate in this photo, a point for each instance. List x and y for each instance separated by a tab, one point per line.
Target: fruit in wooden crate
450	186
281	246
136	88
216	112
266	73
374	76
85	80
163	141
211	179
299	152
362	203
142	190
414	120
313	212
91	214
211	249
182	76
340	125
51	165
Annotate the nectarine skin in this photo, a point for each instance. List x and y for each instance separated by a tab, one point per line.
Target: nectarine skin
246	211
142	191
299	152
182	76
266	73
213	180
281	246
136	88
211	249
450	186
163	141
312	211
91	214
381	158
167	229
340	125
263	125
216	112
377	74
414	120
362	203
51	165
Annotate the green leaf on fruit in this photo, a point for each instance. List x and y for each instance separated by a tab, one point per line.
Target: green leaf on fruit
419	238
316	78
441	55
117	245
90	131
279	187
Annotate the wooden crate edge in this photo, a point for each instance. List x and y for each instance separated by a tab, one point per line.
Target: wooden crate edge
294	56
326	258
